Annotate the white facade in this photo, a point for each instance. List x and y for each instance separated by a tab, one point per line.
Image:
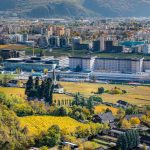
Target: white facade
74	62
146	49
146	65
76	40
59	90
85	63
102	43
118	65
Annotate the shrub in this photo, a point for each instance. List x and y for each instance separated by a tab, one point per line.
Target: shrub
101	90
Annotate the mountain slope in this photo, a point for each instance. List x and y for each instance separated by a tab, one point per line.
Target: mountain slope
54	8
119	7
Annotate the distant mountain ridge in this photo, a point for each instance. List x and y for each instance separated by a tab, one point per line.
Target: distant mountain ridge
76	8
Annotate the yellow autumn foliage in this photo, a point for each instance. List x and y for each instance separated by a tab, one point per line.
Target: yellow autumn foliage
38	124
102	108
135	121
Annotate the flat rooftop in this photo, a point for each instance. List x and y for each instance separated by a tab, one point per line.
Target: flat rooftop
117	58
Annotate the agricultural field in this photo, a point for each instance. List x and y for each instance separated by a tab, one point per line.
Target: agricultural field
13	47
138	95
21	93
102	108
13	91
62	96
38	124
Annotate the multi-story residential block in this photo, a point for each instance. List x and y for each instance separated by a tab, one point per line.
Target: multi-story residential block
60	31
118	65
25	37
96	45
64	42
85	63
146	65
54	41
76	41
109	46
43	42
102	43
146	49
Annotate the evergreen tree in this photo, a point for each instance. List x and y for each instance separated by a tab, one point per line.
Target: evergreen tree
133	138
77	99
48	90
37	84
42	90
128	135
129	140
137	138
37	87
125	142
51	94
29	87
119	142
82	103
90	105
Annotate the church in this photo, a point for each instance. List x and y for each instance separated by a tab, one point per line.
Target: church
58	88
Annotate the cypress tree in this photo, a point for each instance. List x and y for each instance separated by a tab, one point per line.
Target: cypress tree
137	138
42	90
129	139
119	142
37	87
125	142
37	84
51	94
134	138
48	90
29	86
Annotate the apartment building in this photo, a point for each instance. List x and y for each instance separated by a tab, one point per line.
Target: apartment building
85	63
118	65
146	65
